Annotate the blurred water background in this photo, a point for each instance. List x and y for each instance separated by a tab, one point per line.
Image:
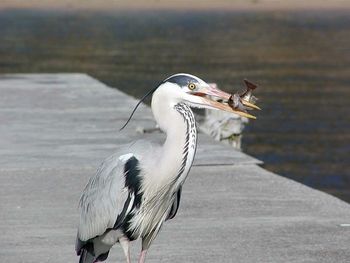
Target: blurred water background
301	59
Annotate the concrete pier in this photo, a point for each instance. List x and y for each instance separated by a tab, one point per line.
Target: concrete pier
55	129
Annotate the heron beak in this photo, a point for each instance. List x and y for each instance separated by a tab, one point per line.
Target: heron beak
226	107
212	90
250	105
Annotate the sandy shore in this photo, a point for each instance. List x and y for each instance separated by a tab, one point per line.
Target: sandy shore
177	4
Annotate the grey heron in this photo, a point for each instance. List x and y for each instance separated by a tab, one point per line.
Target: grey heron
138	188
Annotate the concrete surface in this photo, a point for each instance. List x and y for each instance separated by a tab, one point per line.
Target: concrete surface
56	128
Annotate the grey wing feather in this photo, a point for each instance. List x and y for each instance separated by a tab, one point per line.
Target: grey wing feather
103	198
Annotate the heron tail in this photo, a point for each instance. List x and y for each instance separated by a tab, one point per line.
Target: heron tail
87	254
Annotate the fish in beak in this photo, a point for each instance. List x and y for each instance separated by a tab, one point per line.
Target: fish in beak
247	95
236	103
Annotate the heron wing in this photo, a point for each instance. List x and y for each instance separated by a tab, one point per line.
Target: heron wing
105	199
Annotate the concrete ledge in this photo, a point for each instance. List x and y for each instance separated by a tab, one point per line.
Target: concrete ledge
56	128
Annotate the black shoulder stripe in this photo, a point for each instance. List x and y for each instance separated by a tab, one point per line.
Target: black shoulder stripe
133	179
122	215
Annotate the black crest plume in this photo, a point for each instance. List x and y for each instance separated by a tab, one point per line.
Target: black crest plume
138	104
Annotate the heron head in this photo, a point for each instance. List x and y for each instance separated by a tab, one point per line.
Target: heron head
193	91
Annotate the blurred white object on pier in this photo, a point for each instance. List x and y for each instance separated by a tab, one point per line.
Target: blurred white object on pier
223	126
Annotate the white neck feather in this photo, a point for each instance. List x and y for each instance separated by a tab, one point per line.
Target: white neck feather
171	164
177	121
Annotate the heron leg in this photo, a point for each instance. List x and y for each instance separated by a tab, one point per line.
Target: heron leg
142	256
125	243
146	242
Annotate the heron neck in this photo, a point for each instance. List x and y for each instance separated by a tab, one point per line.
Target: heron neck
180	145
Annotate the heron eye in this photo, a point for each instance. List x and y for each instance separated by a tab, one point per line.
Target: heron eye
191	86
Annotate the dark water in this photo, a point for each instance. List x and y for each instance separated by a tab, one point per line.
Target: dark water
300	59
